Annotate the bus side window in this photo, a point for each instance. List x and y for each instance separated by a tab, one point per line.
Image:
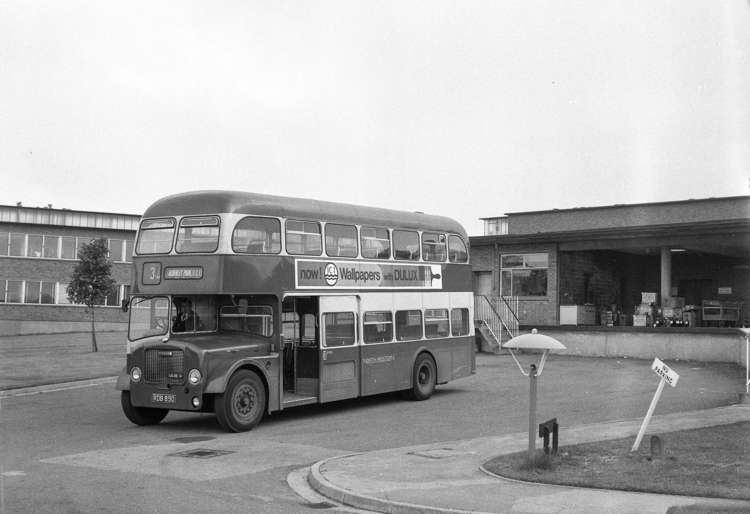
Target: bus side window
406	245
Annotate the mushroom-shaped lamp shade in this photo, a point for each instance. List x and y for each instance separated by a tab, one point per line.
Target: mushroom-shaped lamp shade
533	342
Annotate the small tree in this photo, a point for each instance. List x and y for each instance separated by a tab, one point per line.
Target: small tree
91	282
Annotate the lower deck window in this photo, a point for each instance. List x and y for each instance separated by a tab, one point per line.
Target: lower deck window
378	327
460	322
408	325
436	323
339	328
250	319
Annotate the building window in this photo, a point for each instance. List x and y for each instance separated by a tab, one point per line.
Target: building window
51	247
68	248
34	248
17	247
524	274
47	295
115	250
129	250
2	291
4	244
14	291
341	240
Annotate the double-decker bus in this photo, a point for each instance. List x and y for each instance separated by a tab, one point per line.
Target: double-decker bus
245	304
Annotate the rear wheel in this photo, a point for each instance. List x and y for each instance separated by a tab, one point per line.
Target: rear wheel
243	403
424	378
141	415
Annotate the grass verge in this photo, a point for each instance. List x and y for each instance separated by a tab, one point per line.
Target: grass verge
711	462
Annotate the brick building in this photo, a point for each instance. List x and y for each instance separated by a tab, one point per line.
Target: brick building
591	266
38	250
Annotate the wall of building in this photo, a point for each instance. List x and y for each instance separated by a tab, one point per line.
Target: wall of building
636	215
531	310
699	345
58	316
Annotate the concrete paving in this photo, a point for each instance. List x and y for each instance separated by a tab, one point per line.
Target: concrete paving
448	477
441	477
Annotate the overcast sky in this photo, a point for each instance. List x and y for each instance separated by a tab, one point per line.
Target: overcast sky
466	109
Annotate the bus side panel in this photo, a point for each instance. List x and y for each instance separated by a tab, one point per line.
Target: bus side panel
385	367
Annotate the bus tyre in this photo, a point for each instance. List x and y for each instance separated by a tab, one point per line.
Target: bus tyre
141	415
424	377
242	405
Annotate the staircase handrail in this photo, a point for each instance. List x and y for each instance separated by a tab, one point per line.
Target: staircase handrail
500	318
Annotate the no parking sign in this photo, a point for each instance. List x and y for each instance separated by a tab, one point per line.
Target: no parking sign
668	376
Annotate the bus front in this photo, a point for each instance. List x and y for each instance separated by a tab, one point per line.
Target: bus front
188	334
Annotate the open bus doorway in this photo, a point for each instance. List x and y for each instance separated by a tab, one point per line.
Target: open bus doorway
300	339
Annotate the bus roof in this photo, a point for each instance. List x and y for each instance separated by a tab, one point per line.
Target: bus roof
216	202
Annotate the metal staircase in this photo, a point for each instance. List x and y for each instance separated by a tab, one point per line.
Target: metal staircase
495	321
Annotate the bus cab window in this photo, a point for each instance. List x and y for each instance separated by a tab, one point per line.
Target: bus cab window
193	314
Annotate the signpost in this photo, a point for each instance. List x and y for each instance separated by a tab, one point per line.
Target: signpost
668	376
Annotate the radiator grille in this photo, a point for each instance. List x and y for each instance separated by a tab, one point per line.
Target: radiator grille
164	367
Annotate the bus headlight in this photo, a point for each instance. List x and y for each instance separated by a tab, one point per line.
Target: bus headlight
135	374
194	377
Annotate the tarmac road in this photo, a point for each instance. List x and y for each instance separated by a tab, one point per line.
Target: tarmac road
72	450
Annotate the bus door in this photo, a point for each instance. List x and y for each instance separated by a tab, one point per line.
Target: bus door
339	351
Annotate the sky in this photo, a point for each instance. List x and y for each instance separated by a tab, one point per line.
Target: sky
467	109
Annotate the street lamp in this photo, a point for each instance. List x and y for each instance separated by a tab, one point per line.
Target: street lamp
533	343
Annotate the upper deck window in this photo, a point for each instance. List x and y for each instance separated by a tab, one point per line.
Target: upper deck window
376	244
155	236
303	238
433	247
257	235
198	234
406	245
457	250
341	240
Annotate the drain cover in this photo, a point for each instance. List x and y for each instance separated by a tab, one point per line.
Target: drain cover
201	453
193	439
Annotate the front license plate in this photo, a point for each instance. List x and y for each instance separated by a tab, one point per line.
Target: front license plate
163	398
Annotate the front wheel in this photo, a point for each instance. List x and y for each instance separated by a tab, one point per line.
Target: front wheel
424	378
242	405
141	415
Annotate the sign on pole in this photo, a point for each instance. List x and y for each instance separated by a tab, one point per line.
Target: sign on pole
668	376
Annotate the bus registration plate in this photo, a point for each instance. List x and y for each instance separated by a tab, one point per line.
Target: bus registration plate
163	398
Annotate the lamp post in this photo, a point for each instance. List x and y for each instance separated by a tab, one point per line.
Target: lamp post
533	343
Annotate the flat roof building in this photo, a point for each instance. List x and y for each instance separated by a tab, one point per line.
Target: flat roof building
678	264
38	250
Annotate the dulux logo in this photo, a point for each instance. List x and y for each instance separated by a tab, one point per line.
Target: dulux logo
331	274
